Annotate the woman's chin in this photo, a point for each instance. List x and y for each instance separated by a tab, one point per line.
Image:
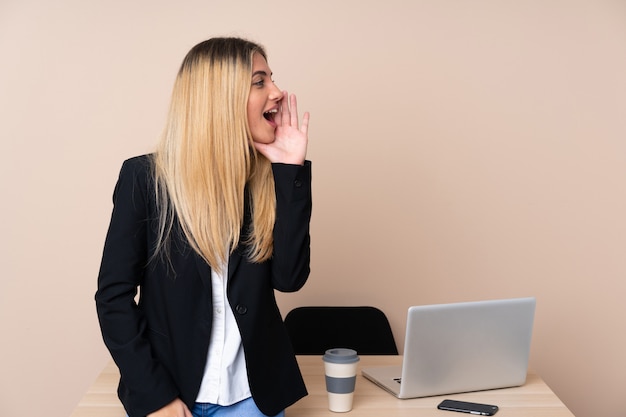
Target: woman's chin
265	141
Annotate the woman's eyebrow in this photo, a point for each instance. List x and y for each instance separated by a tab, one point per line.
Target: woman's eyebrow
262	73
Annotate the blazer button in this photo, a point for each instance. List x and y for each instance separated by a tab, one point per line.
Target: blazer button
297	183
241	309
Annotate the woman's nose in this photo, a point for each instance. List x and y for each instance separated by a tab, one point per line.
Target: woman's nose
276	93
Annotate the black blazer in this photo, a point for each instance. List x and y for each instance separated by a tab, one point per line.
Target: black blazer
160	343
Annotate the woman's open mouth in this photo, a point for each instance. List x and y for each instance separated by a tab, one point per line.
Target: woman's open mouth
269	115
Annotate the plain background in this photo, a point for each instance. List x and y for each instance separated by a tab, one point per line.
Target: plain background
462	150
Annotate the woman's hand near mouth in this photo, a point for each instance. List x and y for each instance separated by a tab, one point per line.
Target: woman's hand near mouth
291	137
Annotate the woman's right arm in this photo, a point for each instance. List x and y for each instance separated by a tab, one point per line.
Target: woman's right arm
176	408
145	384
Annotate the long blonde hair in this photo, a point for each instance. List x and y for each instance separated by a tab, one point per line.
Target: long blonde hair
205	162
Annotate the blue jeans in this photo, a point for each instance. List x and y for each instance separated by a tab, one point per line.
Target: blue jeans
245	408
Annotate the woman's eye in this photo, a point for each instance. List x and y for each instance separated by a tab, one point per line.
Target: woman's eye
259	83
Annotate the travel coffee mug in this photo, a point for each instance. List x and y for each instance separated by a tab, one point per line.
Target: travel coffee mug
340	369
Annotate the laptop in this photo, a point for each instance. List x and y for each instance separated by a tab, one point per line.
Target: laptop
461	347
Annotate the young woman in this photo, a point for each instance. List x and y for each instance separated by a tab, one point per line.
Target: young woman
206	228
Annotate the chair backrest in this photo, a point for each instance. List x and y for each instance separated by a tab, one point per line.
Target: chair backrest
314	329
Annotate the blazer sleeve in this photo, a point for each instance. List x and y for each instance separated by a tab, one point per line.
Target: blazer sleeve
292	251
145	385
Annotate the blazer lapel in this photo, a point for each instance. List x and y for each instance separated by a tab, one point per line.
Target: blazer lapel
233	262
204	270
235	258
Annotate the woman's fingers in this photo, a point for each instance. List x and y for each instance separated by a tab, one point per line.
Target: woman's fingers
284	109
293	110
304	126
289	110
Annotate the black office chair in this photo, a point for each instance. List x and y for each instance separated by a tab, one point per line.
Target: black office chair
313	330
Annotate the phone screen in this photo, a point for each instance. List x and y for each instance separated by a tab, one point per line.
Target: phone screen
471	408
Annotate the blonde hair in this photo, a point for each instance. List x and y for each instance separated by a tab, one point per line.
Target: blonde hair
205	162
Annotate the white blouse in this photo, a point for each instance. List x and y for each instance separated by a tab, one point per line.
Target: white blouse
225	380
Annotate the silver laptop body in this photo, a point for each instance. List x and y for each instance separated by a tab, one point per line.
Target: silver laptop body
461	347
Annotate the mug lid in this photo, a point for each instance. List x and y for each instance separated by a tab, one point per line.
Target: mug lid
341	355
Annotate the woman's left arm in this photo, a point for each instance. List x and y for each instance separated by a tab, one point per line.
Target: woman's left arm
292	180
292	242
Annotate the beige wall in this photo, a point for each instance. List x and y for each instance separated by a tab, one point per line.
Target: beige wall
462	150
